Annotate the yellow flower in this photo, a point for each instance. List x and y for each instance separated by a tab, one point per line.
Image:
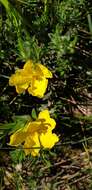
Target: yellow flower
48	139
36	134
32	145
33	77
42	69
38	87
45	116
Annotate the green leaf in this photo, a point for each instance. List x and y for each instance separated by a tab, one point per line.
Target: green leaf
89	22
7	126
5	4
17	155
33	113
19	122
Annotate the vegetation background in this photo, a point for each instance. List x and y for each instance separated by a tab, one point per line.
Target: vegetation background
58	33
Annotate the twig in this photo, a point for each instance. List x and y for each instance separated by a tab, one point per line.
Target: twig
74	103
81	178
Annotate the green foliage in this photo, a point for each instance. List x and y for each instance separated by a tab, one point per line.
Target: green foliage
62	45
34	114
17	156
90	22
69	11
6	4
9	128
59	35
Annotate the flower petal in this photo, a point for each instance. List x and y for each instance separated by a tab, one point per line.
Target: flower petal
21	88
48	139
44	70
28	145
36	126
16	78
17	138
28	67
32	145
46	116
38	87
